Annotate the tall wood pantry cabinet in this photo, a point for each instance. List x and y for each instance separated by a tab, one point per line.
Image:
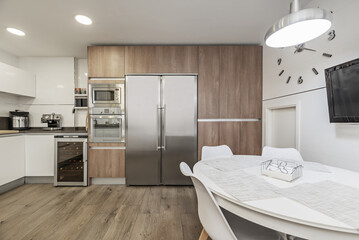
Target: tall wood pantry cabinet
230	98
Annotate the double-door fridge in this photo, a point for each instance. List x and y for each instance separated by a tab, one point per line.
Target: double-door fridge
161	128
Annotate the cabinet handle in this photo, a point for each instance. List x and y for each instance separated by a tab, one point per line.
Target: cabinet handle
93	147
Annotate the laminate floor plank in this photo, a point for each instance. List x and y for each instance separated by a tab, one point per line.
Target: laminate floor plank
42	212
152	200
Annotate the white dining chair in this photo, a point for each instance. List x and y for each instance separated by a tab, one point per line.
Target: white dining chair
210	152
219	226
282	153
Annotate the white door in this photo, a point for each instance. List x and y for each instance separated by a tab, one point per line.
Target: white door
282	128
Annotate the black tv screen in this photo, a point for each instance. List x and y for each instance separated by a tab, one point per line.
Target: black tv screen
342	83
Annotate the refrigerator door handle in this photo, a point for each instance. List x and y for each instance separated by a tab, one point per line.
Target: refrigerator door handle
164	127
159	109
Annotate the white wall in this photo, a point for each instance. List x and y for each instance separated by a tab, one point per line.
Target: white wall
54	88
8	58
8	102
333	144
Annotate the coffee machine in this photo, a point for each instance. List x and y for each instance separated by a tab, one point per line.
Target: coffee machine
53	121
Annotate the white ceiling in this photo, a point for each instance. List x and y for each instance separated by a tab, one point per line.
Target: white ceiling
52	31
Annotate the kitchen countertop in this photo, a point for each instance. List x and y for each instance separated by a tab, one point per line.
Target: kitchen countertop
40	131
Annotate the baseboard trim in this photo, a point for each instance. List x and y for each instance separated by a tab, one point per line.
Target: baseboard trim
106	181
12	185
34	180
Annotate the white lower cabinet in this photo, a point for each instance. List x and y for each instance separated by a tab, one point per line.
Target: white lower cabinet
40	152
12	158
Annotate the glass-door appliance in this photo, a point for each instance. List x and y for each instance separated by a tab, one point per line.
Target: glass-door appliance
70	160
107	128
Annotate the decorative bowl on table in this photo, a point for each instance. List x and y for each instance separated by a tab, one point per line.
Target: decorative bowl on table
282	169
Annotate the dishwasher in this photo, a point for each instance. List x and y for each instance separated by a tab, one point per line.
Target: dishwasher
70	160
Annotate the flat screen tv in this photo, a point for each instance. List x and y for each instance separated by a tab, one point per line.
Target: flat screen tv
342	83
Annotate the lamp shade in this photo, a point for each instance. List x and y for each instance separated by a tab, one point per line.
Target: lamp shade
298	27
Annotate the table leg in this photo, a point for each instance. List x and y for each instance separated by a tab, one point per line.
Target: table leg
204	235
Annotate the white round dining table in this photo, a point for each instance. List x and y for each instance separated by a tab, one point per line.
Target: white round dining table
281	213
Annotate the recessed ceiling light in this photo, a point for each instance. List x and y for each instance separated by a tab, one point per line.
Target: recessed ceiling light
83	19
15	31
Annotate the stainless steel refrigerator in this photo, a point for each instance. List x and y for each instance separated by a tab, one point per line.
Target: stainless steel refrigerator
161	128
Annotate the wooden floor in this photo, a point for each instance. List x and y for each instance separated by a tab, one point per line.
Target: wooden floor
41	211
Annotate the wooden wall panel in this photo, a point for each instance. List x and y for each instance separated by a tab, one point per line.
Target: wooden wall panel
208	135
229	134
251	138
106	61
161	59
208	82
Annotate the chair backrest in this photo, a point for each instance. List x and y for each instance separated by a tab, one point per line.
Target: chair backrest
282	153
215	152
210	215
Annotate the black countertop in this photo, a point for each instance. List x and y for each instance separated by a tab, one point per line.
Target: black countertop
63	131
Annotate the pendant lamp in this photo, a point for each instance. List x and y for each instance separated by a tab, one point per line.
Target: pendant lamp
298	27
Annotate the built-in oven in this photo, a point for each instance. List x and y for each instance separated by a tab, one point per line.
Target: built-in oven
107	128
109	96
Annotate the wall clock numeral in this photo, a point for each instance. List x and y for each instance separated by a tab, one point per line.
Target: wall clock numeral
300	80
327	55
331	35
288	79
279	61
315	71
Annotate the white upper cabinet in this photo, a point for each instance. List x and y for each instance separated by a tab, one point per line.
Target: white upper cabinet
16	81
54	79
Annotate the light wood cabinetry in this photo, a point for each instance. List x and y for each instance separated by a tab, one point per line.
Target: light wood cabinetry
106	61
241	82
106	160
230	82
208	81
208	135
251	138
229	134
230	87
244	138
161	59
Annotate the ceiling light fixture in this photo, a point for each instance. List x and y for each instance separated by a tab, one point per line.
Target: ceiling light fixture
15	31
83	19
298	27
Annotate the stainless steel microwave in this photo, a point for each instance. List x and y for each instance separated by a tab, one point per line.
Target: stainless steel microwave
105	94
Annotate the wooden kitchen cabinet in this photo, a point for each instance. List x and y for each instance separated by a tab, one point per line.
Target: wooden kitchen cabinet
208	135
208	81
240	94
250	138
229	134
106	160
106	61
244	138
161	59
